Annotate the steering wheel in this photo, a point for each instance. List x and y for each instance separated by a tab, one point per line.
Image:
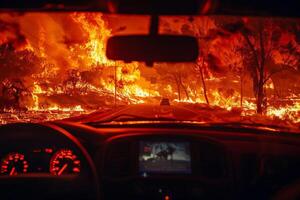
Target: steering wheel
45	185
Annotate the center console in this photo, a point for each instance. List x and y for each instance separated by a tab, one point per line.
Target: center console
164	157
165	167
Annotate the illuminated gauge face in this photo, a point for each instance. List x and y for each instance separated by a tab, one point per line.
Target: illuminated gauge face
64	162
14	164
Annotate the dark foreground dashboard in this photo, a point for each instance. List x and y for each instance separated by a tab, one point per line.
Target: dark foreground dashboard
165	166
74	161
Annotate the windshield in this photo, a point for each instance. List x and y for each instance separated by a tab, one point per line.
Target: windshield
53	66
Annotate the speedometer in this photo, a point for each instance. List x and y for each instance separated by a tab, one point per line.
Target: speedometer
14	164
64	162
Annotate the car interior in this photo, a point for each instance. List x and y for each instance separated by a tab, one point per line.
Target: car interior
166	149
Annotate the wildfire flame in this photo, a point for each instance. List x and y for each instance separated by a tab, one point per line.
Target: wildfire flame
92	53
70	60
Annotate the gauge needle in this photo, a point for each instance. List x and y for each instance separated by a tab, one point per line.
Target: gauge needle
62	169
12	171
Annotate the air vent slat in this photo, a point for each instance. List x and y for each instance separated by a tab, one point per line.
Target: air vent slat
118	159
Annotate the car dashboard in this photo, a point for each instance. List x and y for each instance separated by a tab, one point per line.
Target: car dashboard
162	165
72	160
52	160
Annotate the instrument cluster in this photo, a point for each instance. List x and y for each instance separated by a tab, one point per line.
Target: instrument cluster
55	161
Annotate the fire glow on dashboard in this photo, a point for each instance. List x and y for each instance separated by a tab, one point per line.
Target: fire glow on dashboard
164	157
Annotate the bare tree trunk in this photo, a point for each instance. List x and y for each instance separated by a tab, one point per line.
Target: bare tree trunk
178	90
261	68
185	91
184	88
241	90
178	87
260	92
259	100
115	84
203	82
258	70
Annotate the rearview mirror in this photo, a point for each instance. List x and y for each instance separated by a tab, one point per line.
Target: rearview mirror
186	7
45	5
159	7
149	49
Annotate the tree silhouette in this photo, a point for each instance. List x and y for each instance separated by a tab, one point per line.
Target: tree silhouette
16	71
262	39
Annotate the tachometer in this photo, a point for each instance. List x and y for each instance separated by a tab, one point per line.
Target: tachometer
64	162
13	164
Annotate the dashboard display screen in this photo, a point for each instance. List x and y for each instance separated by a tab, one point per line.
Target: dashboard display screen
164	157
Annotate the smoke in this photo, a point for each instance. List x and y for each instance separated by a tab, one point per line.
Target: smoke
54	36
11	35
50	36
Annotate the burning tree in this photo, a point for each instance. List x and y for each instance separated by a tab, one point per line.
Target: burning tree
230	51
202	29
177	76
263	39
16	70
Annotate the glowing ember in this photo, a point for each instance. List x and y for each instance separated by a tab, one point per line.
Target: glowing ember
289	112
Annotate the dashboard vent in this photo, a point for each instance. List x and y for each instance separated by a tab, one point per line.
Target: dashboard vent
281	169
249	163
118	159
211	160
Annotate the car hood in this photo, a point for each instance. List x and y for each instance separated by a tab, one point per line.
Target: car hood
179	114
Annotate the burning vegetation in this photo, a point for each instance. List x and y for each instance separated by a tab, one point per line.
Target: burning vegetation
54	64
